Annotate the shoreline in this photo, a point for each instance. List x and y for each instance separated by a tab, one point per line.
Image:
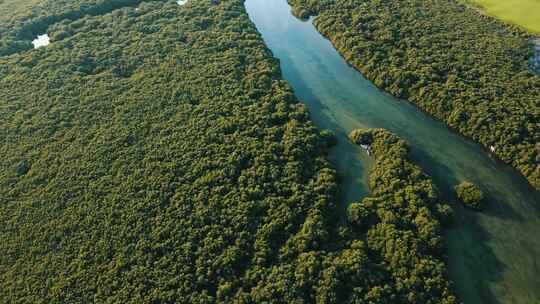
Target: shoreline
486	146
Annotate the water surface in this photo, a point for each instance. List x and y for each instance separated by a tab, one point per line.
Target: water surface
534	62
494	256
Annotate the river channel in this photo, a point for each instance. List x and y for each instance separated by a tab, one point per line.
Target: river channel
493	256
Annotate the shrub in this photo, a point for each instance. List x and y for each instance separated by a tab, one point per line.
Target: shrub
470	195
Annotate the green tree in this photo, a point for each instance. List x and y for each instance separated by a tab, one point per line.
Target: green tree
470	195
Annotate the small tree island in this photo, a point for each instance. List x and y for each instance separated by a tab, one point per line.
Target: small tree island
470	195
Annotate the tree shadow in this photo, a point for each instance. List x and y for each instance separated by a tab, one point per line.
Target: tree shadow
473	265
445	180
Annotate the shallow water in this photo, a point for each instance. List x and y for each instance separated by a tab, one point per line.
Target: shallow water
41	40
494	256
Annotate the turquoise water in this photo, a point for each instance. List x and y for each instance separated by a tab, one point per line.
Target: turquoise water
494	256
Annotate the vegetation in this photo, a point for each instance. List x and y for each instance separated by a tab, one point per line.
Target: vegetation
154	155
462	67
401	219
22	21
525	13
470	195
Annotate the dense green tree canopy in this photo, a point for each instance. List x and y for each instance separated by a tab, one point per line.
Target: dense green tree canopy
153	154
22	20
470	195
464	68
401	220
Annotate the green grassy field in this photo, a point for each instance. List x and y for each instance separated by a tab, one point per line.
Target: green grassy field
525	13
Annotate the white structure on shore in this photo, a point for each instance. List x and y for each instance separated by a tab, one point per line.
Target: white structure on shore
367	148
41	40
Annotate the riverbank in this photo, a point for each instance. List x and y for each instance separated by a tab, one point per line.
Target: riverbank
157	156
438	61
486	269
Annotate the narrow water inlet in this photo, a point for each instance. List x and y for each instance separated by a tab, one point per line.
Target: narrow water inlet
534	62
494	256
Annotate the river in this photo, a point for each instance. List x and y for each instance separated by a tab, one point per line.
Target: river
493	256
